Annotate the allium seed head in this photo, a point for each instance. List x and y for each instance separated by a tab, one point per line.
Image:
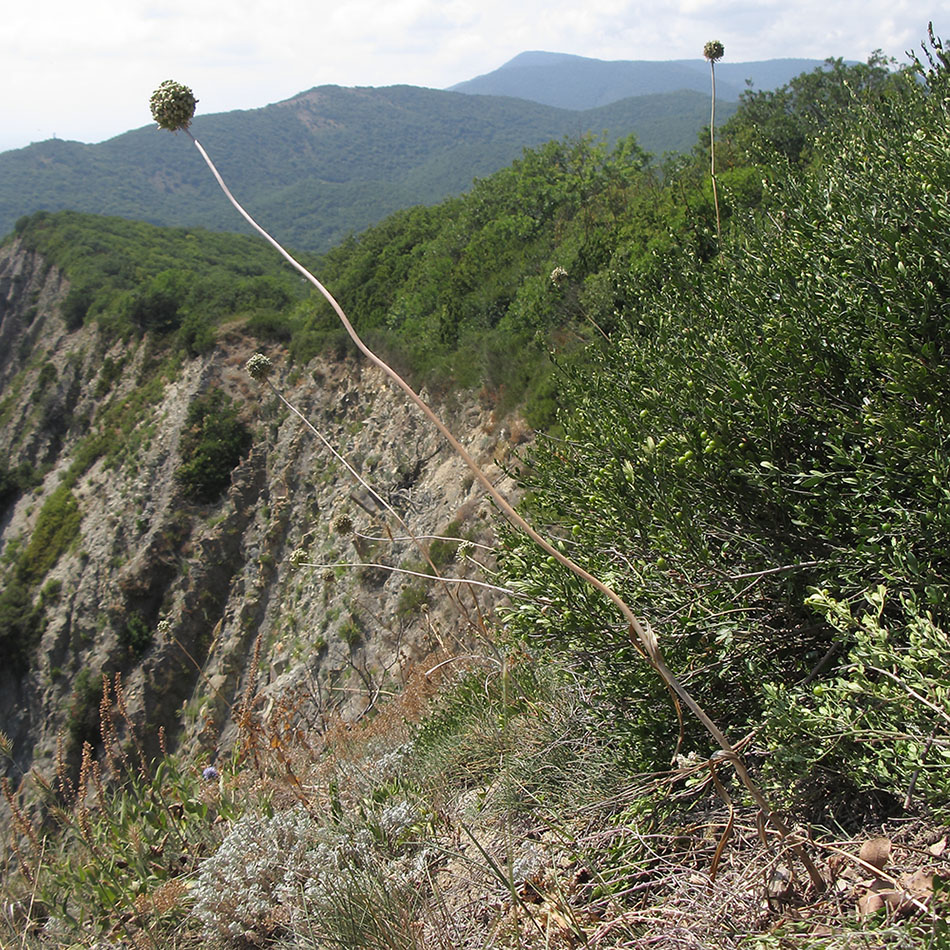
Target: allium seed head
173	106
714	51
343	525
259	366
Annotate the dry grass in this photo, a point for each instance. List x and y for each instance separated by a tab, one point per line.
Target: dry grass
524	834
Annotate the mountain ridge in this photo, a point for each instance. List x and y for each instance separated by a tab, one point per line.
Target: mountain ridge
332	160
325	163
580	82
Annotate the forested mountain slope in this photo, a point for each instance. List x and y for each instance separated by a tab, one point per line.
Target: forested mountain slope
325	163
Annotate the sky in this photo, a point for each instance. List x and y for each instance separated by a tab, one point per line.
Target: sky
85	70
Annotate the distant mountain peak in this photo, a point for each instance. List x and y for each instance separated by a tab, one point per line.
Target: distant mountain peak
543	58
569	81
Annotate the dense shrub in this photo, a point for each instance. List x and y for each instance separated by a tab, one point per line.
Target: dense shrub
781	124
22	619
76	305
768	425
14	481
136	635
157	305
83	722
21	623
875	725
56	528
213	442
133	276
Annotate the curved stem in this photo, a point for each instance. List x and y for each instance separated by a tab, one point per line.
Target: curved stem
641	630
712	153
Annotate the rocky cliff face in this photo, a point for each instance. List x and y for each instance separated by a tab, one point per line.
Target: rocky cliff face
280	590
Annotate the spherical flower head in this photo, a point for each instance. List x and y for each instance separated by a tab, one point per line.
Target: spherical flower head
714	51
210	773
259	366
343	525
173	106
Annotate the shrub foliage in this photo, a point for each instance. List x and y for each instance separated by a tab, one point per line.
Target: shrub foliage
765	425
211	445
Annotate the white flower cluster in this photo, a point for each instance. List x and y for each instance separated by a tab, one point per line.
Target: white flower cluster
398	818
173	106
272	874
259	366
388	765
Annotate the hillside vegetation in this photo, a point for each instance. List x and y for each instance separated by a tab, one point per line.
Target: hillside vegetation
749	441
324	164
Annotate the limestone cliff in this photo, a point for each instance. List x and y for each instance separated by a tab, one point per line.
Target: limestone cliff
280	587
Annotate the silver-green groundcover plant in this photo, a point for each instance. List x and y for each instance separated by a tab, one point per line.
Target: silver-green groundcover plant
173	108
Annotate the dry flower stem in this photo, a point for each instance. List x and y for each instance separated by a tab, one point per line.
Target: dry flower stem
642	631
261	372
712	57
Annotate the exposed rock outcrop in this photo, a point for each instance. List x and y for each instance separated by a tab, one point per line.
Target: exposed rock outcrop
282	588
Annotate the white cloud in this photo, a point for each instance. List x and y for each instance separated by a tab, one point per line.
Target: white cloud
86	70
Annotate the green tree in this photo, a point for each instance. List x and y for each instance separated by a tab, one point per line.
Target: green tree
782	123
157	305
213	442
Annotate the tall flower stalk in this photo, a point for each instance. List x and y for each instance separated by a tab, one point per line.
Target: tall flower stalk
173	108
714	51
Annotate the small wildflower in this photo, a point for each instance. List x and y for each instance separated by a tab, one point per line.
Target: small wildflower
464	549
259	366
210	773
557	275
173	106
714	51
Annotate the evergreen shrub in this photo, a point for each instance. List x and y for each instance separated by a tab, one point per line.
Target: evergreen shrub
769	424
213	442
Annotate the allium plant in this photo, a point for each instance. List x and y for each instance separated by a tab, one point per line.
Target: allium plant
714	51
172	105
